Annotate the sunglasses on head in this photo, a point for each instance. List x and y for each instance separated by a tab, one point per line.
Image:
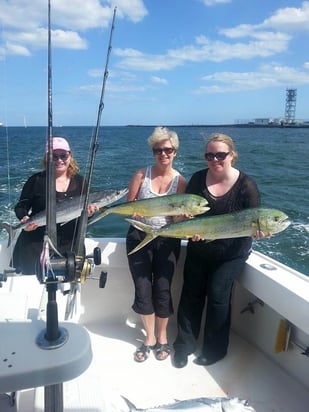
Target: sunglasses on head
219	155
166	150
61	156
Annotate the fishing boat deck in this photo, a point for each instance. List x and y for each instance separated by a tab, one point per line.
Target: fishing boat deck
244	373
116	331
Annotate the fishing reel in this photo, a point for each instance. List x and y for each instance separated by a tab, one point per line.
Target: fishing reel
69	267
84	265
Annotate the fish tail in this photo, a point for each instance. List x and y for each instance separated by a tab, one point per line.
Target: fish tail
10	230
150	234
102	212
130	404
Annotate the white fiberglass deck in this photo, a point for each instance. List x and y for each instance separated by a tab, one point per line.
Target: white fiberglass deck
115	332
244	373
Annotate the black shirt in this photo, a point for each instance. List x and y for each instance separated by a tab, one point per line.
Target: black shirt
242	195
33	200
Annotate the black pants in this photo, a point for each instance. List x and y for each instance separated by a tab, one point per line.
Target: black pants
152	269
213	280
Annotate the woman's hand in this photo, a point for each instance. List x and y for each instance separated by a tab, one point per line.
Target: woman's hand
31	226
137	216
196	238
91	209
260	235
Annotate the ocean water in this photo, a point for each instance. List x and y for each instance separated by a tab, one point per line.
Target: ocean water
277	158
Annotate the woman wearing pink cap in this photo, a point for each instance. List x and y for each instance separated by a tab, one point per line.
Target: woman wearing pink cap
33	200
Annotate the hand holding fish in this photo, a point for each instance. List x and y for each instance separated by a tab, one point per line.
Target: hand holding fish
32	225
92	209
196	238
259	234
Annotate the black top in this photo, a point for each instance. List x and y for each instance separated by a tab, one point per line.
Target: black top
33	200
244	194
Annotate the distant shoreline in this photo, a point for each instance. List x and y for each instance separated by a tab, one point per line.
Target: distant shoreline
249	125
240	125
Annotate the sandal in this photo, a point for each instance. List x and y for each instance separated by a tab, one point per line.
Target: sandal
162	351
141	354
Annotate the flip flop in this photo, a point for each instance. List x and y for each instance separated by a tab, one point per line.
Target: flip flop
162	351
141	354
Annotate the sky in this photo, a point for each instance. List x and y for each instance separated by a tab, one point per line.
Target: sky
171	62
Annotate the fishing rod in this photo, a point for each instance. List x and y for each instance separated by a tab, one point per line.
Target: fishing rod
50	237
82	226
51	227
52	336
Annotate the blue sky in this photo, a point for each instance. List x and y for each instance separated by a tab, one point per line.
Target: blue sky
172	62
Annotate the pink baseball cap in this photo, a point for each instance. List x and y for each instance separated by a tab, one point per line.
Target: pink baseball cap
59	143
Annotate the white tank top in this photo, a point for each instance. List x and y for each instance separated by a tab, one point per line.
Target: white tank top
147	192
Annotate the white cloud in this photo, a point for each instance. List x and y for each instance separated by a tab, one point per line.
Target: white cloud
95	72
266	76
15	49
286	20
38	39
159	80
204	50
215	2
136	60
133	9
259	41
290	18
23	21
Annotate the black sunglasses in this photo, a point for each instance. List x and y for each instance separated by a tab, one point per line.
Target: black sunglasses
61	156
166	150
219	155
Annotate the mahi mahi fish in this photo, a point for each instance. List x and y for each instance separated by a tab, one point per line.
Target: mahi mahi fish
68	209
231	225
169	205
199	404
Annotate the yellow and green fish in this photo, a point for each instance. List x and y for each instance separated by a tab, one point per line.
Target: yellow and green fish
169	205
231	225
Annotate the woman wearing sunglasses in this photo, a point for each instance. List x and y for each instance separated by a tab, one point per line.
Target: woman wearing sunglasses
211	267
153	266
32	200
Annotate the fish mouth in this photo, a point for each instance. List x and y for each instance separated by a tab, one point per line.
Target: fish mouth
283	223
286	222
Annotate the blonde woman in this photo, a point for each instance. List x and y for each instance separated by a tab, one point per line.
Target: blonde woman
153	266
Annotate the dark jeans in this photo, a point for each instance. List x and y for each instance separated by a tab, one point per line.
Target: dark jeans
204	278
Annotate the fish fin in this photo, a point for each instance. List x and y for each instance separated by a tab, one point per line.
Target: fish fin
102	212
11	232
150	233
140	225
143	243
130	404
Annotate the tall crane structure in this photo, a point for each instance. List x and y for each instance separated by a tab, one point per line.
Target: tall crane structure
290	105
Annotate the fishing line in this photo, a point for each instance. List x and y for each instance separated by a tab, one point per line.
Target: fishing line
82	226
7	139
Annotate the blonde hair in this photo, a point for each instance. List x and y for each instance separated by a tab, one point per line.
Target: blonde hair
224	138
72	170
163	133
